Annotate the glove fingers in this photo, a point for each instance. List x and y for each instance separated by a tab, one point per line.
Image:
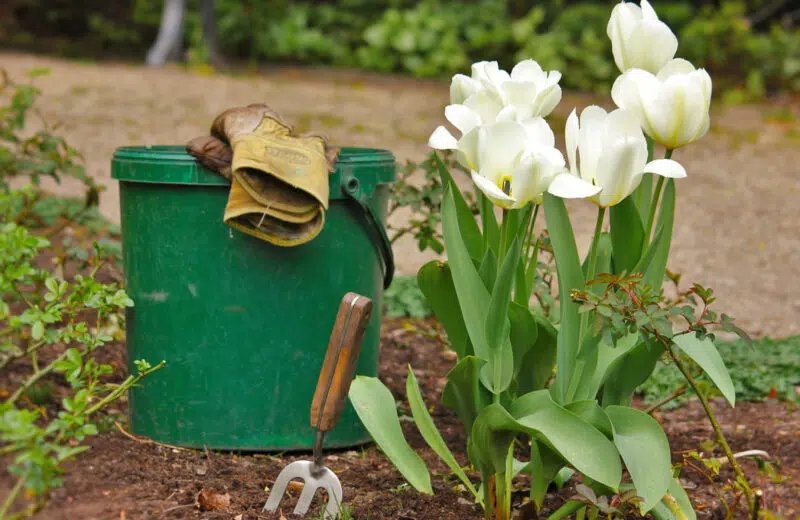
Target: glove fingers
212	153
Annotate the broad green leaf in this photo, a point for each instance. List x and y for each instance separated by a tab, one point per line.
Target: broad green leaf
570	277
436	283
544	468
654	272
375	406
430	433
644	447
492	434
466	220
523	333
600	362
577	441
590	411
650	253
491	231
501	363
463	392
536	366
473	298
627	235
630	372
488	269
705	353
684	505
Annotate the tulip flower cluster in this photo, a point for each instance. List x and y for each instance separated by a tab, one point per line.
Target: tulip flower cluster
510	149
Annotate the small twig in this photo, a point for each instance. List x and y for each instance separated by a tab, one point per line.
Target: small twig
142	440
674	395
175	508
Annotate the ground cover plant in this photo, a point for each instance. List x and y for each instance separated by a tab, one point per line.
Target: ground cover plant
549	394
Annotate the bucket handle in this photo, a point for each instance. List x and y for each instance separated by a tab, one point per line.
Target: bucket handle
352	189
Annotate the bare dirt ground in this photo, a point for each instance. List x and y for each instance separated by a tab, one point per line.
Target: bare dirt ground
127	478
737	215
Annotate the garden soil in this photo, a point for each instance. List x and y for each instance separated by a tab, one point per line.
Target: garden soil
737	212
129	478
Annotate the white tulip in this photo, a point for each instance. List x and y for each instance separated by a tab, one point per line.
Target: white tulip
609	151
513	164
639	39
495	95
672	107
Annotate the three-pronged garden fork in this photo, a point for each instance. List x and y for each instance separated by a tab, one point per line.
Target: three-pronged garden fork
329	400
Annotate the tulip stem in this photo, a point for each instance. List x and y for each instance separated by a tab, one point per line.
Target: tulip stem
598	229
653	205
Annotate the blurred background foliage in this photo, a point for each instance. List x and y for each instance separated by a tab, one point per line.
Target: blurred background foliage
751	48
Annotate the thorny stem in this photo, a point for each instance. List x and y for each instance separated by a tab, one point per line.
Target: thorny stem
723	442
36	377
674	395
29	350
123	387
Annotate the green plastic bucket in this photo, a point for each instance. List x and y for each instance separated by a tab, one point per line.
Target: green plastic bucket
242	324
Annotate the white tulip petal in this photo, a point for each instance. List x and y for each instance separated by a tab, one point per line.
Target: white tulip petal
624	18
680	112
462	117
549	99
491	190
501	148
636	90
539	132
648	13
508	113
487	104
673	67
571	136
461	87
568	186
650	46
528	70
666	168
590	140
619	170
468	145
442	139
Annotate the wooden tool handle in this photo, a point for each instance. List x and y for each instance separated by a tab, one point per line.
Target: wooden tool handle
340	361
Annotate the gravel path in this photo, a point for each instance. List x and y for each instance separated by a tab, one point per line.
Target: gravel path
737	216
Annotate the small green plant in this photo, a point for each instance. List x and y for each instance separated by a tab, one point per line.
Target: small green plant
405	299
54	326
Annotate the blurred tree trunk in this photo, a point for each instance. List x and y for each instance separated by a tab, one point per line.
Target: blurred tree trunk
210	32
169	43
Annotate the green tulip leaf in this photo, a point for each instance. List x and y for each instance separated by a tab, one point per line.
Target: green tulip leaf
471	233
375	406
536	366
463	392
473	298
491	231
488	269
705	353
430	433
644	447
577	441
436	283
570	277
627	235
523	333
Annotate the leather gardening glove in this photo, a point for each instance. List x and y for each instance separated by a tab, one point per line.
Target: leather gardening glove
279	180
